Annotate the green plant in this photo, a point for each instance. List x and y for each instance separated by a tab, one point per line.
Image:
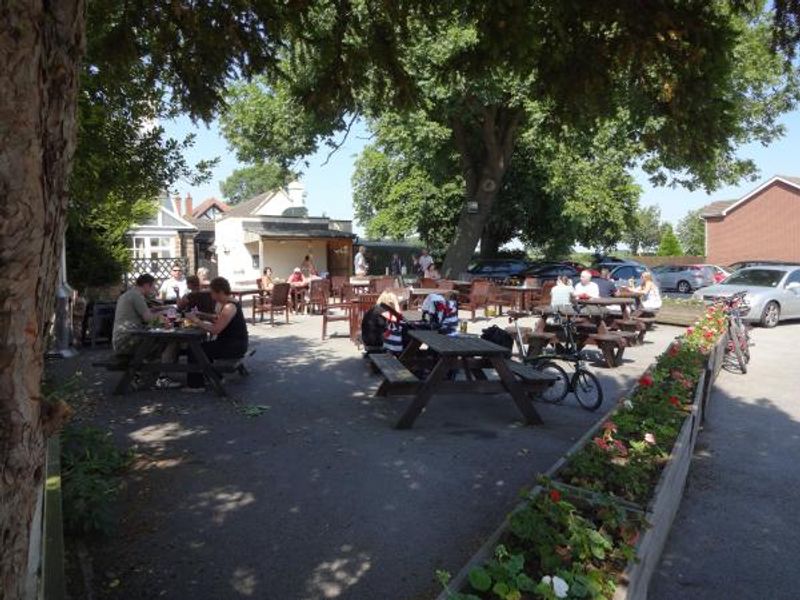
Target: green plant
91	466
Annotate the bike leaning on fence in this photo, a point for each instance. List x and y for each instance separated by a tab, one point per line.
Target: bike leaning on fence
738	332
583	383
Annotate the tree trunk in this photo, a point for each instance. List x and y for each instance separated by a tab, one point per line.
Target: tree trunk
490	245
41	44
483	171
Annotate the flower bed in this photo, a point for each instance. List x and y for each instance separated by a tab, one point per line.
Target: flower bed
595	528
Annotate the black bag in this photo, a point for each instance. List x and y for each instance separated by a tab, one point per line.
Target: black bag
498	336
372	327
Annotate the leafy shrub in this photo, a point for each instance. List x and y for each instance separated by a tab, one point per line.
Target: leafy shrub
91	466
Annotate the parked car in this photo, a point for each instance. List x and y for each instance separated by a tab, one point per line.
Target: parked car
773	293
498	269
549	271
720	274
743	264
613	265
621	274
684	278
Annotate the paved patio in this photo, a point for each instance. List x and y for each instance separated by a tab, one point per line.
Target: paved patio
737	533
319	497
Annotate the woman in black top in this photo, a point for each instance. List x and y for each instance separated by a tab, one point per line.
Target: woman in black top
229	328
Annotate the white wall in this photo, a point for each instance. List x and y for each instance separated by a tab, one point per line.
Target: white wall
284	256
280	201
233	256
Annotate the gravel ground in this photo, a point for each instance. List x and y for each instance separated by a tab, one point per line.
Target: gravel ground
298	488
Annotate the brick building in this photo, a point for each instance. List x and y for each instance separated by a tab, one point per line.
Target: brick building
762	225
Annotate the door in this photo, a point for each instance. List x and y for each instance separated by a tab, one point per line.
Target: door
791	296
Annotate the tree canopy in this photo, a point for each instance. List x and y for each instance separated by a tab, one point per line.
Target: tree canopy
686	81
669	245
253	180
692	233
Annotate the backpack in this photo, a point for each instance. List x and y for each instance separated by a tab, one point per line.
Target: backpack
498	336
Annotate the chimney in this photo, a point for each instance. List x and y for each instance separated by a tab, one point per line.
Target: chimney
188	208
296	191
176	202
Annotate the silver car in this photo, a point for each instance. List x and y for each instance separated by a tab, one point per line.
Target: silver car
773	293
684	278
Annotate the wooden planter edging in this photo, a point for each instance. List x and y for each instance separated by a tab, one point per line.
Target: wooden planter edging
662	508
679	315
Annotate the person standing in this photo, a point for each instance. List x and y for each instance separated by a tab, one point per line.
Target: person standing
175	287
396	265
425	260
308	267
360	262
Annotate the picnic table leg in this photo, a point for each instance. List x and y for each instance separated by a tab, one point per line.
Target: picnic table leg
425	392
208	369
521	398
142	352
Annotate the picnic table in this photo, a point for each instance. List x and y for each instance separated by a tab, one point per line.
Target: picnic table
452	354
154	340
523	294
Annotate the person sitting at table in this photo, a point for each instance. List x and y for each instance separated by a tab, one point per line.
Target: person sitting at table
586	288
433	272
174	287
296	279
131	315
229	329
373	325
608	288
648	290
267	283
196	298
561	292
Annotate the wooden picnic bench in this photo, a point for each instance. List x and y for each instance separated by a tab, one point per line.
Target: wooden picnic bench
469	354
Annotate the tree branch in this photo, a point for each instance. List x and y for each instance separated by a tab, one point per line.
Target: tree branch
336	147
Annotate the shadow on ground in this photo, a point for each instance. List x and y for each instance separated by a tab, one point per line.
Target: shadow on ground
317	497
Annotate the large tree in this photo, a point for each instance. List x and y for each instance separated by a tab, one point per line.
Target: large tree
683	77
253	180
189	49
555	193
692	233
644	233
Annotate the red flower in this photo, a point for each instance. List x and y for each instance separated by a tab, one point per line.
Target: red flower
555	495
609	426
674	349
646	380
690	330
675	401
708	334
601	443
621	448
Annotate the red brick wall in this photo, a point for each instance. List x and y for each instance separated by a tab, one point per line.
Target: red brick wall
766	227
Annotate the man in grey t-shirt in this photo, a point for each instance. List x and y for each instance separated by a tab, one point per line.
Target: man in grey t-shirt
132	313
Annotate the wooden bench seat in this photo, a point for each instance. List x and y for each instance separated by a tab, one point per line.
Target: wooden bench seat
528	373
648	321
397	379
539	340
612	345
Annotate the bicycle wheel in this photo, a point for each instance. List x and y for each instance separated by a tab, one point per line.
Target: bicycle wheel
558	391
735	346
587	389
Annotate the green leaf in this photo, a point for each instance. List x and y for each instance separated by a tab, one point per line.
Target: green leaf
480	579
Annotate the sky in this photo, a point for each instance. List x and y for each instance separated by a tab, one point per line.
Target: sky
328	185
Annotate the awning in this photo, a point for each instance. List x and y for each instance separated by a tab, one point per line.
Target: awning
255	231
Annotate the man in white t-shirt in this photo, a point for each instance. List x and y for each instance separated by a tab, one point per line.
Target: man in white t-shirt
586	288
175	287
425	261
360	262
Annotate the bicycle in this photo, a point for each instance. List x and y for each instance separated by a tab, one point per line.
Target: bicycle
738	333
583	383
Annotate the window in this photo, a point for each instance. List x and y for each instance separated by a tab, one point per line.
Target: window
152	247
256	261
793	278
756	277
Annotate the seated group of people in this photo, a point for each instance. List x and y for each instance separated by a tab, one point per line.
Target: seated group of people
214	310
299	276
563	293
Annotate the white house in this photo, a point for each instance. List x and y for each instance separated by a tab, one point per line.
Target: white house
166	235
274	230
